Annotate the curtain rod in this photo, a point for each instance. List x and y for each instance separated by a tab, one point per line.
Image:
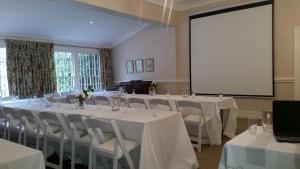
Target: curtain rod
57	44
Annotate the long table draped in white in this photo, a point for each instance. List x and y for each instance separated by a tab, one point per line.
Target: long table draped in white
16	156
211	106
163	137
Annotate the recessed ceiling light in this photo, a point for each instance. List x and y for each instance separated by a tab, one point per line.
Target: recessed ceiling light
91	22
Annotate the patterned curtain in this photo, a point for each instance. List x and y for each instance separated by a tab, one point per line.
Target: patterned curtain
106	67
30	68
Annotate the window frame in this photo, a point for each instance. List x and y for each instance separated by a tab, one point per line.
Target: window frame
3	45
76	62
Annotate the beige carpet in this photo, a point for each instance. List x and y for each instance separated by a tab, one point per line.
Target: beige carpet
210	156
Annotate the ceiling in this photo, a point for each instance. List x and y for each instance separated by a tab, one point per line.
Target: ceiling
184	4
64	22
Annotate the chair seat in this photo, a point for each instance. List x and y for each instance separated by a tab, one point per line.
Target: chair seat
194	119
57	135
86	138
107	148
35	132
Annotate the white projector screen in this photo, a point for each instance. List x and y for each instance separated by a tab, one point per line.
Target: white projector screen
231	51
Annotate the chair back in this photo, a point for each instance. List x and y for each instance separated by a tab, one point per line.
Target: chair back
97	128
189	107
2	115
51	122
102	100
28	115
12	115
137	103
30	120
76	121
160	104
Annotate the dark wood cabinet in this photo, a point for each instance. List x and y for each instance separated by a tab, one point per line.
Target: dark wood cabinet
140	86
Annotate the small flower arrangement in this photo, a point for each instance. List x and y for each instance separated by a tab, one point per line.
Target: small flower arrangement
153	84
152	88
83	95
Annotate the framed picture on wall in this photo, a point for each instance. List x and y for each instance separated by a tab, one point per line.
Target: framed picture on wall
130	66
149	65
139	65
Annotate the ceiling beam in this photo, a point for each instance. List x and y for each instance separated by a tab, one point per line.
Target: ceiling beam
139	9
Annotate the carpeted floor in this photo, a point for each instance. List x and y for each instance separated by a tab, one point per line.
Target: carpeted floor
210	156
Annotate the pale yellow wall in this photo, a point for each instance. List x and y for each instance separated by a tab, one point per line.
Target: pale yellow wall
287	15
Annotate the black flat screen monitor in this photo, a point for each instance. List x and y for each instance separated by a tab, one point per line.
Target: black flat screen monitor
286	120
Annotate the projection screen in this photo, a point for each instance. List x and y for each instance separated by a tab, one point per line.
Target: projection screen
231	51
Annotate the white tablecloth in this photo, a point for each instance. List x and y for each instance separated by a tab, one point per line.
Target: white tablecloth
163	137
16	156
211	106
259	151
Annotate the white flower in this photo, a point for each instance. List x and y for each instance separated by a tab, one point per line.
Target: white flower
82	95
153	83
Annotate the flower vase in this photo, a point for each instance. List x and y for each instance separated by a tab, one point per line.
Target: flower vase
82	104
152	90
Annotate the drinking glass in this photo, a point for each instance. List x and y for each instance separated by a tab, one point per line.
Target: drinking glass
168	93
133	92
221	96
252	123
266	121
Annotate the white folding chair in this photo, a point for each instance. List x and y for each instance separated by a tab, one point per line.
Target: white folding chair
79	134
194	116
54	129
14	122
102	100
72	99
137	103
114	148
32	126
3	123
160	104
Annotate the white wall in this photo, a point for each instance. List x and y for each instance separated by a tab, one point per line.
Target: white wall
153	41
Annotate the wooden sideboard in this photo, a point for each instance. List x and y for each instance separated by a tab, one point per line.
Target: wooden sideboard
140	86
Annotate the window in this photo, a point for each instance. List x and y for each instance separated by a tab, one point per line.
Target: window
64	71
76	68
3	73
89	71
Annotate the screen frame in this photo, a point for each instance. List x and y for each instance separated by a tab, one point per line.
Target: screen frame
227	10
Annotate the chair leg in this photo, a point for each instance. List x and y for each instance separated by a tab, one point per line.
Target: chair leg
37	141
45	147
8	135
61	154
199	144
4	132
115	160
25	138
20	135
90	157
73	152
94	161
208	133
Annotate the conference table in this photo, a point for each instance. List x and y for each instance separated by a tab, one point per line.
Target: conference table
16	156
222	120
260	151
162	135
